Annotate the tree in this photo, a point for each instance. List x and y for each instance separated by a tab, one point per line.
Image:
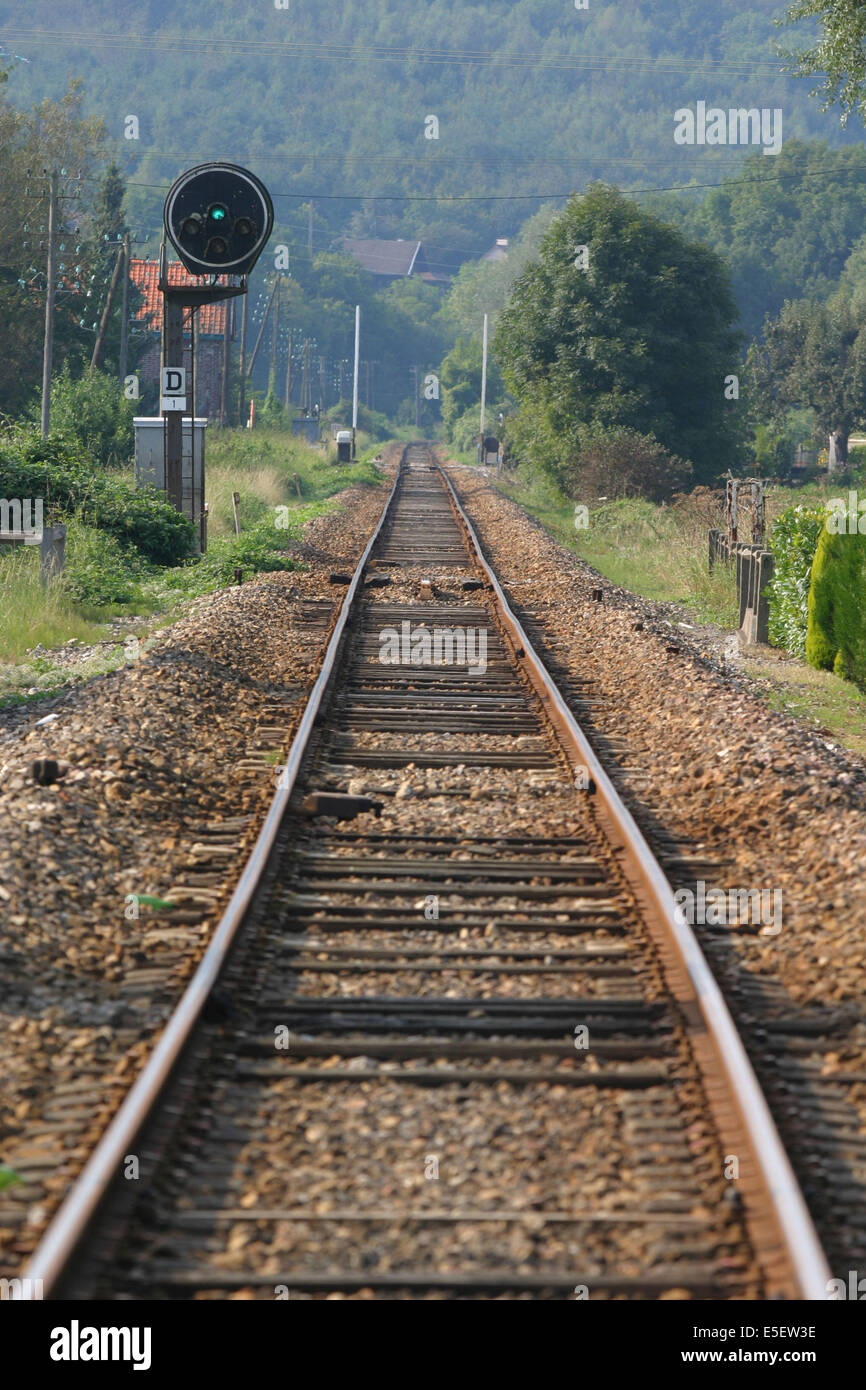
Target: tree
814	355
54	135
622	322
786	232
837	56
460	382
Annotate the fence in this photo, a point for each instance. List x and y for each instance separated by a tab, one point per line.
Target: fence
754	571
52	547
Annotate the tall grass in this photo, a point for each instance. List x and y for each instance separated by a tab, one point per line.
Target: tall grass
31	613
657	552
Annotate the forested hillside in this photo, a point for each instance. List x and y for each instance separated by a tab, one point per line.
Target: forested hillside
329	99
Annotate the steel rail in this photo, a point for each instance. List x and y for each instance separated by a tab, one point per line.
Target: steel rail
51	1256
807	1259
68	1227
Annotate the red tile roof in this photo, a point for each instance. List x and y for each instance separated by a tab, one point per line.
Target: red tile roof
145	276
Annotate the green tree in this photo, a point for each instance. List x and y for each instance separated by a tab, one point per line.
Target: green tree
814	355
622	322
460	382
837	55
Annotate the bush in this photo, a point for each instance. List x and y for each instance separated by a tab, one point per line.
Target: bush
836	635
259	549
94	411
99	570
620	462
793	540
57	470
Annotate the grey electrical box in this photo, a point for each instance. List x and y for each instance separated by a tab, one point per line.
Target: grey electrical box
150	465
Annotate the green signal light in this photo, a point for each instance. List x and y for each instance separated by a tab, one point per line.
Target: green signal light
218	213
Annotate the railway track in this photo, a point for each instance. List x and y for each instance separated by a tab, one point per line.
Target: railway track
457	1045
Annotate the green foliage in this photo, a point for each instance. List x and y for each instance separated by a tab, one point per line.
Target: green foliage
786	231
793	541
99	570
460	383
836	55
813	355
836	636
620	462
93	410
260	549
642	338
8	1177
57	470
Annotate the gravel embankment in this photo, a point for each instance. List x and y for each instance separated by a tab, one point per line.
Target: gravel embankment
709	765
168	780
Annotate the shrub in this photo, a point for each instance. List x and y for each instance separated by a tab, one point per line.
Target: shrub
836	636
620	462
57	470
793	540
259	549
99	570
93	410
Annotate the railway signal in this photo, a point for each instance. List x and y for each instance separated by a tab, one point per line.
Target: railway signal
218	217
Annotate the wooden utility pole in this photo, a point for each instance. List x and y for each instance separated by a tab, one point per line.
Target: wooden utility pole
48	341
243	396
321	384
124	311
106	313
261	332
305	381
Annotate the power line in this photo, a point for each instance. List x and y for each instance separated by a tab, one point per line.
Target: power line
329	51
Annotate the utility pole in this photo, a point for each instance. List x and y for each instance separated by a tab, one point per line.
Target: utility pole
305	379
106	313
289	369
310	229
414	371
355	386
321	384
243	396
483	387
264	325
124	311
48	341
275	345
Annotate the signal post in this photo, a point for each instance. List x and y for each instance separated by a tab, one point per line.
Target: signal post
218	217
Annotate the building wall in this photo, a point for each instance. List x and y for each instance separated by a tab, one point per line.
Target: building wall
208	379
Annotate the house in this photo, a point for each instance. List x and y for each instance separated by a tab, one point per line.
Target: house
212	321
387	260
498	252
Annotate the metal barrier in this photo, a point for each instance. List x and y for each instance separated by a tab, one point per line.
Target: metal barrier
754	572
